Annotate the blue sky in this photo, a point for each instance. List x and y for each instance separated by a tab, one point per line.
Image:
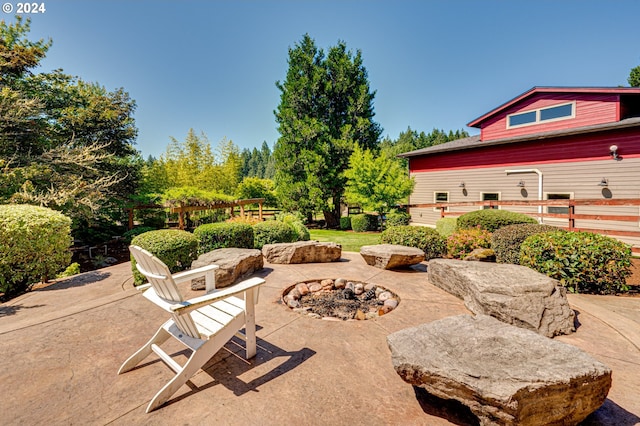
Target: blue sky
212	65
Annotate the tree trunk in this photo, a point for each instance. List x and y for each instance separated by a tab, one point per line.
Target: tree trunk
333	221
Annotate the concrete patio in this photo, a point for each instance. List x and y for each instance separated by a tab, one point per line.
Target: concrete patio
63	344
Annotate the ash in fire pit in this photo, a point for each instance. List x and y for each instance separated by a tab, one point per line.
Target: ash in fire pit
340	298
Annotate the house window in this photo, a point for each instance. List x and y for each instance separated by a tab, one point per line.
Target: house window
552	113
558	196
440	197
490	196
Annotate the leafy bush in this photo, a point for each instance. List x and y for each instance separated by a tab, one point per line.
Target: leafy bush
295	221
73	269
345	223
128	236
177	249
249	220
34	245
364	222
398	218
271	232
446	226
426	239
464	241
492	219
583	262
507	240
213	236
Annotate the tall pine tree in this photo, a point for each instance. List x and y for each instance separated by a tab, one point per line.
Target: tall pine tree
325	110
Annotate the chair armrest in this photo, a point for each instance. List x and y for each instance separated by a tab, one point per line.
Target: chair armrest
198	302
193	273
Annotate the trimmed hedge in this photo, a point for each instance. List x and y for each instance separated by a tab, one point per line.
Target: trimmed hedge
34	246
583	262
128	236
177	249
364	222
506	241
345	223
398	219
464	241
492	219
427	239
213	236
446	226
271	232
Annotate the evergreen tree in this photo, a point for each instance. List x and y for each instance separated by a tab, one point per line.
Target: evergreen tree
325	111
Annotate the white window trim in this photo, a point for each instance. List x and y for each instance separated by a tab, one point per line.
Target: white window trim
491	192
436	209
546	208
537	111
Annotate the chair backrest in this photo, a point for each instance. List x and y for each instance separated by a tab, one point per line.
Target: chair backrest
161	280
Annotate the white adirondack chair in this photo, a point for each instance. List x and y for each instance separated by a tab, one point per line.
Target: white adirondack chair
204	324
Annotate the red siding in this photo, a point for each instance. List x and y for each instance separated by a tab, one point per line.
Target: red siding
576	148
590	109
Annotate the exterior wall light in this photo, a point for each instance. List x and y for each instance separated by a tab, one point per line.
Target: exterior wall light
520	184
604	182
461	185
613	151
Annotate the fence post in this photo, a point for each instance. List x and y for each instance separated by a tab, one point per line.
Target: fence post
572	211
260	210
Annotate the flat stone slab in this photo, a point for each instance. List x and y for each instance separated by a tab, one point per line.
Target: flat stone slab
504	374
514	294
233	265
302	252
391	256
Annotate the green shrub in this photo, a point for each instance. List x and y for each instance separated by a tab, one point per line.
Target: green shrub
213	236
271	232
128	235
34	246
364	222
398	218
583	262
492	219
507	240
464	241
177	249
295	221
426	239
345	223
73	269
446	226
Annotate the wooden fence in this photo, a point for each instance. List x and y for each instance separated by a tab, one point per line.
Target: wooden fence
571	216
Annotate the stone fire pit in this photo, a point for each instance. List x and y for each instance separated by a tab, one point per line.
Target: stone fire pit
340	299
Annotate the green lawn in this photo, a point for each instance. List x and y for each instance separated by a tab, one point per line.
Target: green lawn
349	240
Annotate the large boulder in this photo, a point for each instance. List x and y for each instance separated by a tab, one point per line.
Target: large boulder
504	374
233	265
391	256
514	294
302	252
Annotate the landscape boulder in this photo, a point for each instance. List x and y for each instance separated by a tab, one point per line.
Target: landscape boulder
391	256
233	265
504	374
514	294
302	252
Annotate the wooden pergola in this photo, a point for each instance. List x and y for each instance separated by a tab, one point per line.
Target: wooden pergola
182	209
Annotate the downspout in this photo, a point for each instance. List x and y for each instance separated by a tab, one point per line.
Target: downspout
539	173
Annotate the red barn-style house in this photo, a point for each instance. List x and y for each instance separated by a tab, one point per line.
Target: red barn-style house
580	145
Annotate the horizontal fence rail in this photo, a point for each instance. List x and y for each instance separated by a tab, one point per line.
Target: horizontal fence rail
570	217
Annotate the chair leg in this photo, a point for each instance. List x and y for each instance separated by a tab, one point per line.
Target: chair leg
250	324
197	359
159	338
